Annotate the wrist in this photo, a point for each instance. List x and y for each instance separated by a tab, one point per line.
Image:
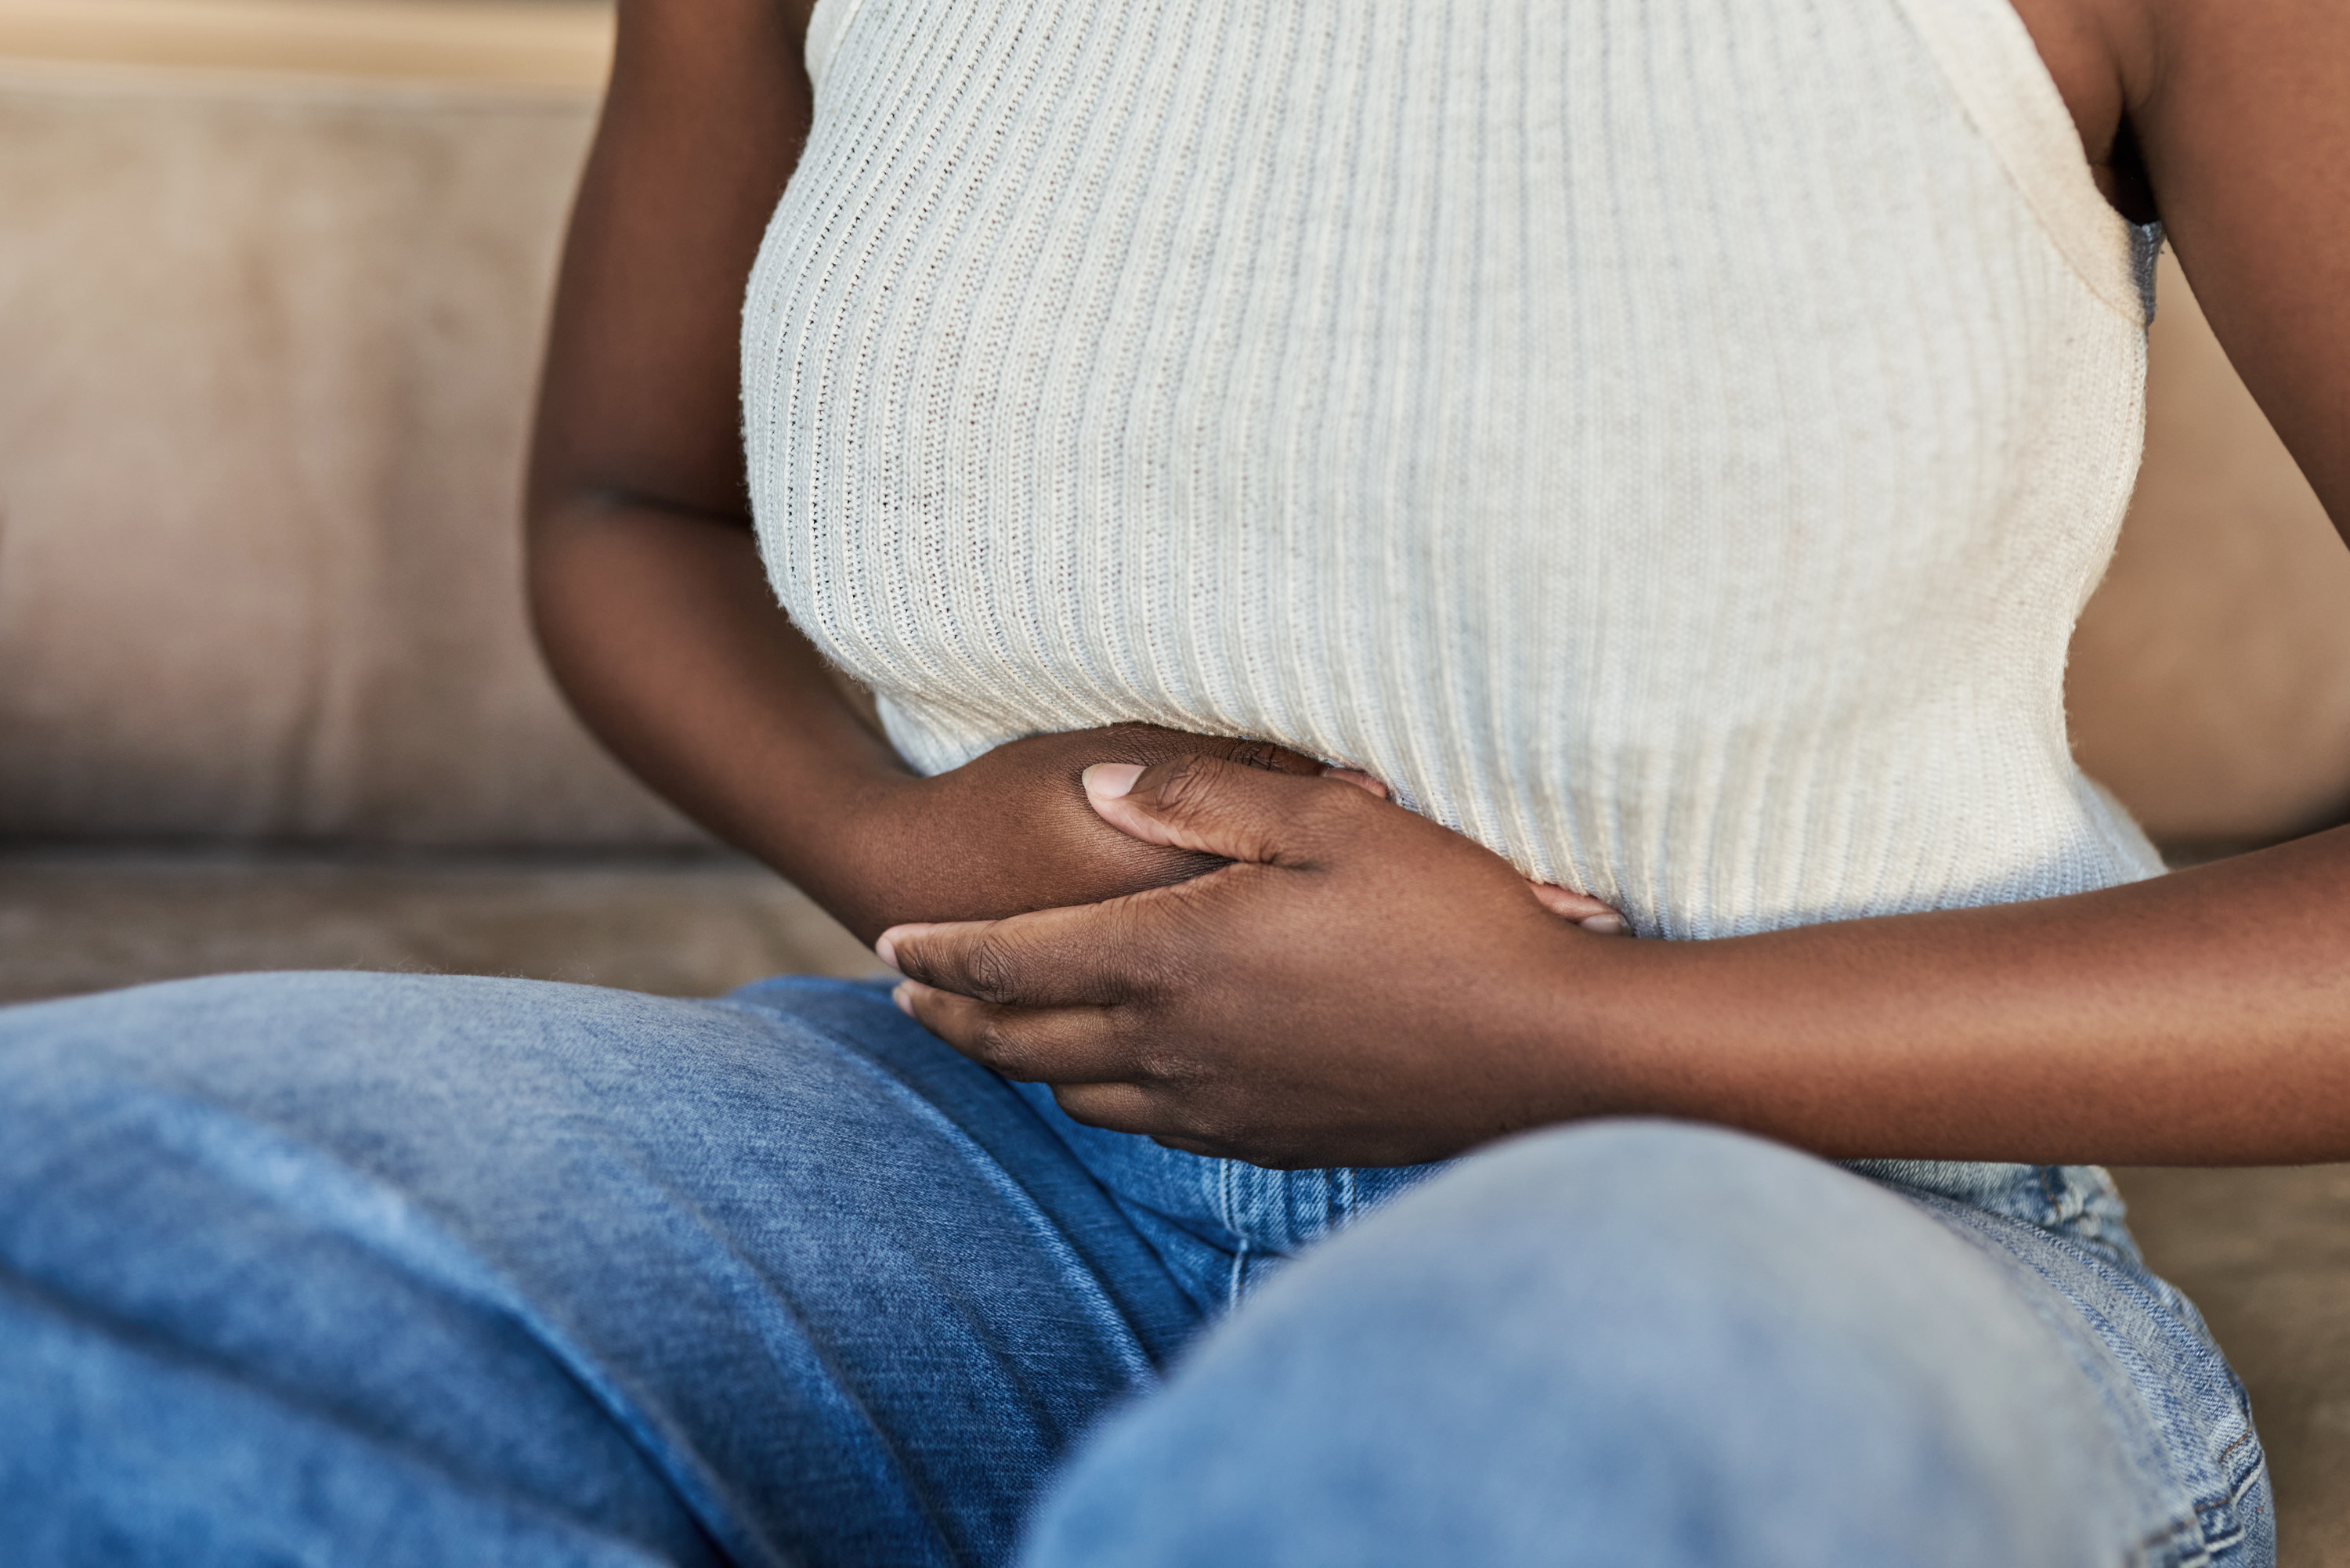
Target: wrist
848	852
1602	1010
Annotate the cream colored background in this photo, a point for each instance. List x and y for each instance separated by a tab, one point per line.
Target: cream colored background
267	329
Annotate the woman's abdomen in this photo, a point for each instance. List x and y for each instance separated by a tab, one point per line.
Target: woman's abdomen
1310	376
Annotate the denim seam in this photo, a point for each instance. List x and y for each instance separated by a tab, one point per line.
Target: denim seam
2182	1540
2234	1501
2051	1205
2187	1528
1231	1223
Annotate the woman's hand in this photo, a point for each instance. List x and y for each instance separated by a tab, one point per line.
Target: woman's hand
1010	831
1357	985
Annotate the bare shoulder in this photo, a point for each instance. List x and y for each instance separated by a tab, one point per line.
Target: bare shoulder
2242	108
2229	120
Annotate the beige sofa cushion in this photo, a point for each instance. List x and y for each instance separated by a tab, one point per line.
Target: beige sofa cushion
269	342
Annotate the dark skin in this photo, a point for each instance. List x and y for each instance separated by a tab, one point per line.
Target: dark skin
1234	955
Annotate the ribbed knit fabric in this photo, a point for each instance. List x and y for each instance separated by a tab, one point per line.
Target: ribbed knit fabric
1668	440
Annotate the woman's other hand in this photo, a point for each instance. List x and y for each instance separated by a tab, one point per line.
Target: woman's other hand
1353	985
1010	831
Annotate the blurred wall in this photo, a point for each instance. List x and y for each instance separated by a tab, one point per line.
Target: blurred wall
272	276
2211	678
267	339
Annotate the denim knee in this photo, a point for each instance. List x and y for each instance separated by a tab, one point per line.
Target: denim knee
1636	1342
441	1269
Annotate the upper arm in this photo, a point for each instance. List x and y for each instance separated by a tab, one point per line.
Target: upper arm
2243	114
639	397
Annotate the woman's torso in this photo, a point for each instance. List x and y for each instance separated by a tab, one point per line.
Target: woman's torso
1667	443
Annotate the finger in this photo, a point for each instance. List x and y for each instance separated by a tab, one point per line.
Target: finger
1200	1146
1084	955
1147	1110
1126	1107
1598	919
1359	779
1031	1045
1213	806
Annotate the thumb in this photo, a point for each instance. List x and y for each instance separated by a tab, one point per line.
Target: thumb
1208	804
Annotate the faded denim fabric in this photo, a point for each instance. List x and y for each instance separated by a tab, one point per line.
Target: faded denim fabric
400	1269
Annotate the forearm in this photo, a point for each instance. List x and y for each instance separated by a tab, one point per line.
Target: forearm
2202	1017
659	627
645	583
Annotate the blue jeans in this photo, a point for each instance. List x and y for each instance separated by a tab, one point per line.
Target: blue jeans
343	1268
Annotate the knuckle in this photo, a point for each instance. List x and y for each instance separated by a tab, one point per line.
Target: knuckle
1163	950
1270	756
991	973
1167	1069
995	1041
914	964
1131	1035
1188	785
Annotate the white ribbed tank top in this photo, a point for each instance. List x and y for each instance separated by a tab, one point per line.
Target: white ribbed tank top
1668	440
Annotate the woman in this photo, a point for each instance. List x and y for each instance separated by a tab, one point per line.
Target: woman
1656	452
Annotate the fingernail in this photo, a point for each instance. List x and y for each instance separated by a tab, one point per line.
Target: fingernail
885	947
1110	781
903	993
1604	925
